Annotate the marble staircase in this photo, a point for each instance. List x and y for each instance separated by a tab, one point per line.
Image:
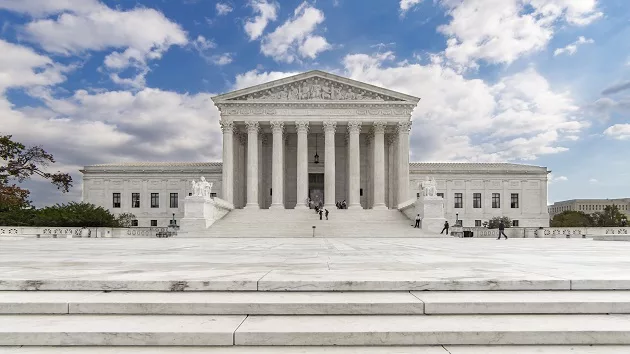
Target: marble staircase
299	223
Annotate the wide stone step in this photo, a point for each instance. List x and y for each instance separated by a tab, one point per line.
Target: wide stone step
451	349
368	330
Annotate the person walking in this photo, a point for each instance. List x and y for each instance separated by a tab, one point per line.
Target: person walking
417	225
321	212
445	227
326	210
502	230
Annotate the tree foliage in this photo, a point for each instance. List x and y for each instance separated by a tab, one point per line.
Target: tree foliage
20	163
572	218
609	217
495	221
65	215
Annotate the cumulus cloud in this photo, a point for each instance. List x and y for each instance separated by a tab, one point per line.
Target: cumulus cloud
553	179
616	88
295	39
593	181
255	77
405	5
223	59
40	8
266	12
223	9
618	131
570	49
501	31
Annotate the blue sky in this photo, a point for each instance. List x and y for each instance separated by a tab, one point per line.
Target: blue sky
544	82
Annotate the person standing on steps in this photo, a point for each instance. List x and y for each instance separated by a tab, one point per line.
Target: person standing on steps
417	225
502	230
445	228
326	210
321	212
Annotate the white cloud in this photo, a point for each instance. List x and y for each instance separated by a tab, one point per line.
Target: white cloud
501	31
554	179
22	67
223	59
618	131
405	5
223	9
593	181
40	8
97	27
294	39
253	77
266	11
570	49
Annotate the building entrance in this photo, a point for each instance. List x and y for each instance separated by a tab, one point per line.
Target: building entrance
316	189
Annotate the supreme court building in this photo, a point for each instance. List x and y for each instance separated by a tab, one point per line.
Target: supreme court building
318	137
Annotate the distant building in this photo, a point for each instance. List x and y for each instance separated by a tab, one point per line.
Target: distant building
589	206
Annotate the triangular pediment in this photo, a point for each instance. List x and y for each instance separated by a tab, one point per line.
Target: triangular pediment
315	86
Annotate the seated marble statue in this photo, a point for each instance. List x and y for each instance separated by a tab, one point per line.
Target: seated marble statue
202	188
429	187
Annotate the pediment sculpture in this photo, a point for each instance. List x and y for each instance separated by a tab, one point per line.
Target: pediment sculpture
202	188
316	89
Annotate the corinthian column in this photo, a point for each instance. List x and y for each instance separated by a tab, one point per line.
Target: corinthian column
403	161
329	162
277	173
227	174
302	164
354	128
252	165
379	165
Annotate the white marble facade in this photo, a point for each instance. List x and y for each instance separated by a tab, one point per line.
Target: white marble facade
271	133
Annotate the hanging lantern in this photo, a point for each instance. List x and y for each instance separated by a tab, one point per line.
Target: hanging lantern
316	157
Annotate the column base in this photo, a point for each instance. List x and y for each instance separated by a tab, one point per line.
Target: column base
379	206
355	206
277	206
301	207
252	206
330	206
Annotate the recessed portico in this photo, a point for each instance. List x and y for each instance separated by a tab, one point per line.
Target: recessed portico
272	132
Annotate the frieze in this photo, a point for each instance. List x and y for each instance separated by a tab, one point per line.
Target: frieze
315	89
247	111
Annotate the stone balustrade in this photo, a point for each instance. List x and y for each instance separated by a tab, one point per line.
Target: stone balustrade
20	232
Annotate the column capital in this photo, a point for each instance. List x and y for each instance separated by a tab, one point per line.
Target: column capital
226	126
277	127
252	126
301	126
330	126
354	127
379	127
404	127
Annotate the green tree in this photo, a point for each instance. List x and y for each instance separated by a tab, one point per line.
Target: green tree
124	219
610	217
494	222
75	214
572	218
20	163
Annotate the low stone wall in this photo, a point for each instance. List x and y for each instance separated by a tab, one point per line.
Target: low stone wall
19	232
550	232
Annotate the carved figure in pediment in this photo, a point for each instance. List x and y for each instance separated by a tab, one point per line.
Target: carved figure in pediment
284	94
316	91
294	93
336	93
304	92
326	92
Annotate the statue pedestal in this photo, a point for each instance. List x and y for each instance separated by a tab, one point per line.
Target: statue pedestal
201	212
431	210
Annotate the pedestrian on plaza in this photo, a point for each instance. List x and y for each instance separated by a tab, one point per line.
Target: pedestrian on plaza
321	212
344	205
326	213
502	230
417	225
445	227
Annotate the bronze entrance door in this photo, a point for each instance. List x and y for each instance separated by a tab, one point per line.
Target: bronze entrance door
316	189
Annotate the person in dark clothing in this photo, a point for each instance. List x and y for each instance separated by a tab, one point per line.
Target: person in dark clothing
502	230
417	225
321	212
445	227
326	213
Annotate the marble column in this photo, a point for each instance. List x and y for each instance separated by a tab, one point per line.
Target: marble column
302	164
329	163
354	201
277	173
227	173
403	158
252	165
379	165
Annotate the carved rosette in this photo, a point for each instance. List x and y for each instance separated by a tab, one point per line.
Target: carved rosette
404	127
354	127
330	126
277	127
301	126
379	127
227	126
252	127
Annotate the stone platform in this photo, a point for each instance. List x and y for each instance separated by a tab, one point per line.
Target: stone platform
285	295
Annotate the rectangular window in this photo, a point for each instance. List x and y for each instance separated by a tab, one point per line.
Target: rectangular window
459	200
155	200
440	195
476	200
135	200
514	200
174	200
515	223
496	200
134	222
116	200
477	223
153	222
